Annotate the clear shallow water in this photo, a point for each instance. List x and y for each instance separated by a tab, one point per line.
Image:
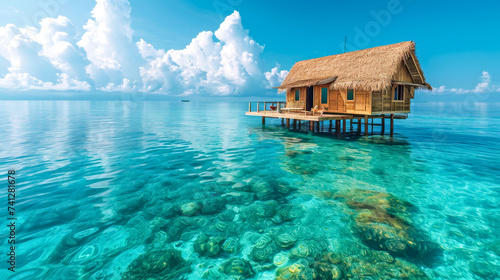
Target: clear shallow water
109	189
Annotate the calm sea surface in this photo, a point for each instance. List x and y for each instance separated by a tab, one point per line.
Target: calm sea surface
169	190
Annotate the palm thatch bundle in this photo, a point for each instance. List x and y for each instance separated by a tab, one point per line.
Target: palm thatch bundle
369	70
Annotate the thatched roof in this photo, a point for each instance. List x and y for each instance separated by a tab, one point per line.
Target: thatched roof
370	69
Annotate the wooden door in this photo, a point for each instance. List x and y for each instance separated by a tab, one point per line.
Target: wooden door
360	101
333	104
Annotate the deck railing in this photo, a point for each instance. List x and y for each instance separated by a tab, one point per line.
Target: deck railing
266	106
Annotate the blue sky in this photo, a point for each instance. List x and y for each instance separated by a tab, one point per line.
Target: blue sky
457	43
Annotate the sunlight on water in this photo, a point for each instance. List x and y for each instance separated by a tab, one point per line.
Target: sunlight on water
167	190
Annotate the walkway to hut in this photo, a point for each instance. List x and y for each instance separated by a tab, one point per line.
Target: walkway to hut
343	126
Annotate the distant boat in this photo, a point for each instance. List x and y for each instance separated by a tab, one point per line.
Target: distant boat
184	100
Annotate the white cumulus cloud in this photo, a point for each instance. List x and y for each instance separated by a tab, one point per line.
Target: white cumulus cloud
482	87
108	43
225	62
125	86
57	36
107	58
275	77
44	59
24	81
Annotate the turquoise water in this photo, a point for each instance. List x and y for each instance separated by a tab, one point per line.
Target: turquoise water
169	190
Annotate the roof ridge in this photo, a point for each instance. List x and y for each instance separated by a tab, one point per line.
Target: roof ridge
351	52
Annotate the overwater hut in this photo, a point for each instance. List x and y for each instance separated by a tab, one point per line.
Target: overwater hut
372	83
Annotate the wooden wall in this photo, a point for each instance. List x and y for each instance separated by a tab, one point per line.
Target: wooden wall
290	95
383	102
365	102
337	101
403	75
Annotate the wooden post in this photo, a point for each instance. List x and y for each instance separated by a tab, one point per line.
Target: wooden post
299	123
330	128
344	127
249	106
366	125
263	120
311	126
317	126
265	106
383	124
392	125
287	123
337	128
294	124
282	120
359	126
258	110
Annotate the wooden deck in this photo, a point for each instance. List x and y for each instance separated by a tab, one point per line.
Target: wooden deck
300	116
276	110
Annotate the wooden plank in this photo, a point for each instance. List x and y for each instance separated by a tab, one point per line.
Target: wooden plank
337	128
369	106
333	104
408	84
344	127
383	124
392	125
366	125
413	58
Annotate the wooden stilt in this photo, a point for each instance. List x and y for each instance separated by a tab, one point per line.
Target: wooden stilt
294	124
344	127
263	120
337	128
282	121
299	123
392	125
350	125
383	124
366	125
287	123
330	127
359	126
311	126
317	126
